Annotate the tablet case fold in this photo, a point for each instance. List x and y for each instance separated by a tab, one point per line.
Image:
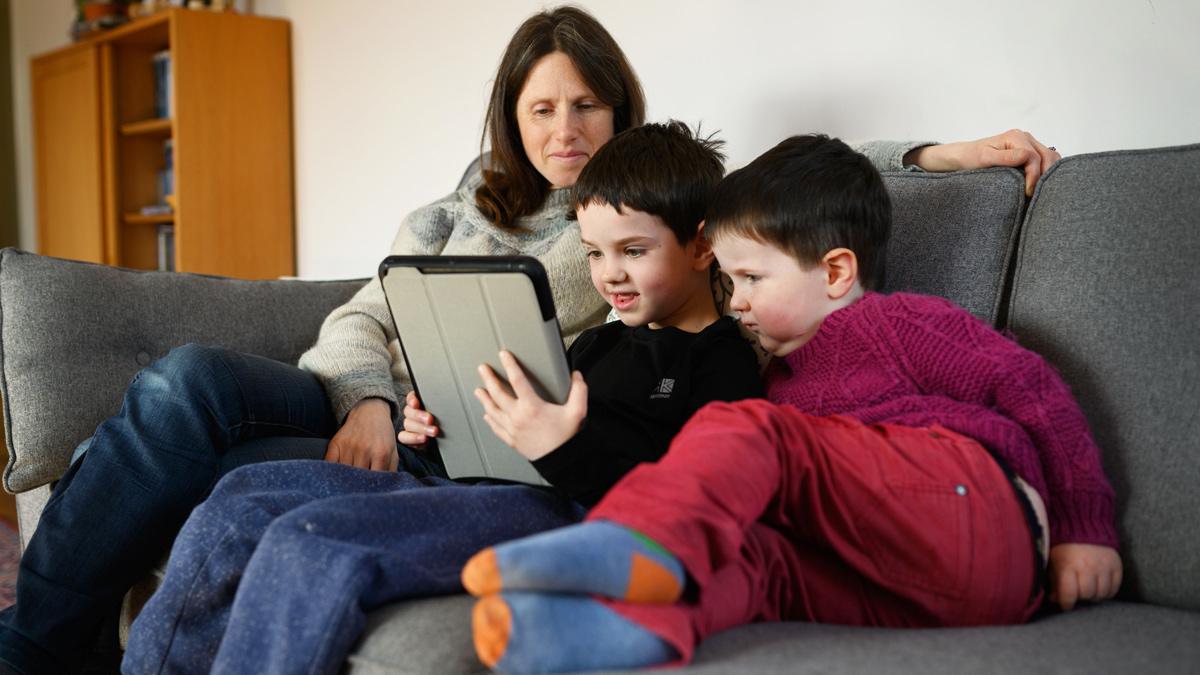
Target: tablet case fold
453	313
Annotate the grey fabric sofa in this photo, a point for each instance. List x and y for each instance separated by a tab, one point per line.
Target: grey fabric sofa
1098	272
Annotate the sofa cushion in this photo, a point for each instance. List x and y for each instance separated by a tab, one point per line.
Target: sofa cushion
1107	287
73	334
1113	638
433	636
953	234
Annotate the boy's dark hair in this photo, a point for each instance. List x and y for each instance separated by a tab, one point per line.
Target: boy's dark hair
807	196
661	169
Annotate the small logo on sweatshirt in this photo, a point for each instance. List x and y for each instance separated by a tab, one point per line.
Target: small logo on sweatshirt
664	389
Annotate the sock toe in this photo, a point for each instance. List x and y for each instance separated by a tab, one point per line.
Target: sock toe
491	624
651	582
481	575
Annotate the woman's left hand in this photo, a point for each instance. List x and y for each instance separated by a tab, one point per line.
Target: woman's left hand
522	419
1014	148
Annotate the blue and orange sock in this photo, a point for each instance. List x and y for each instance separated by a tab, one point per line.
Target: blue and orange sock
593	558
547	632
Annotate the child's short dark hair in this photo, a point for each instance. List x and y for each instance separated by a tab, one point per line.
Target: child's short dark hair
808	195
664	170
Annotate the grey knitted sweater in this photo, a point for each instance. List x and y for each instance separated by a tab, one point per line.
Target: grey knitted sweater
357	355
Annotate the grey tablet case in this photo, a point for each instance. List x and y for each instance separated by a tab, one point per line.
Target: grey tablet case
453	313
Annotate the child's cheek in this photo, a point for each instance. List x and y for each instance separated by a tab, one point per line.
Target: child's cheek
596	282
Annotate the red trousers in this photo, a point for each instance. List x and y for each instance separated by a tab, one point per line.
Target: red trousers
778	515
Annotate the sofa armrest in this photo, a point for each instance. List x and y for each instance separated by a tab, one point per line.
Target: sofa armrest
73	334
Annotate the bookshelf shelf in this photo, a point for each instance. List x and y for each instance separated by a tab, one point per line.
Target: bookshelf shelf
139	219
155	127
193	103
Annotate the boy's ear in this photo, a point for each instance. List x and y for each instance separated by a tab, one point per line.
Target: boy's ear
702	249
841	272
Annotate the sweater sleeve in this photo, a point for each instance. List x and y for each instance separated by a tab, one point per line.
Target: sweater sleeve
356	355
952	353
889	155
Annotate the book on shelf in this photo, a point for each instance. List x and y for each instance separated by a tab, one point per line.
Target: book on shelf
162	84
166	248
166	183
156	210
166	177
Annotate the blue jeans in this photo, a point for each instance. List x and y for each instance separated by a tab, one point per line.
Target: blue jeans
276	571
115	512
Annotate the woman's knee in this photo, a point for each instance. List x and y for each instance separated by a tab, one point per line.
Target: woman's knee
185	369
192	361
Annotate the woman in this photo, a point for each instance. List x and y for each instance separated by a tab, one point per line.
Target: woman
563	89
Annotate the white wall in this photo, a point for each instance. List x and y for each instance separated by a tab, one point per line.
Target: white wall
37	26
389	96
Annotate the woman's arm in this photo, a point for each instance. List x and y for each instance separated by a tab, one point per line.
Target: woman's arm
1013	148
353	358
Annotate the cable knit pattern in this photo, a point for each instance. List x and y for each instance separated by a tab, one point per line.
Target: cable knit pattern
916	360
357	355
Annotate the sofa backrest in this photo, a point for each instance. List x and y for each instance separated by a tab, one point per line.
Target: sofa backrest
73	334
1106	286
953	235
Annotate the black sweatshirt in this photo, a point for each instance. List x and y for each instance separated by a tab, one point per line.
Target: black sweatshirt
643	384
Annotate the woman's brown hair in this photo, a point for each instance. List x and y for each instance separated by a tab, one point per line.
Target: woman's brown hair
511	186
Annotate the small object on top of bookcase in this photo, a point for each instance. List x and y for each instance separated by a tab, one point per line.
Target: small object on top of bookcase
147	7
94	16
181	119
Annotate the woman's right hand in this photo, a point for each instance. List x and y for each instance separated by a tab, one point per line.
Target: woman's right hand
419	426
365	439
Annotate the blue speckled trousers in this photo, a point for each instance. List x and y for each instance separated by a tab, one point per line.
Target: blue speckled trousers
276	571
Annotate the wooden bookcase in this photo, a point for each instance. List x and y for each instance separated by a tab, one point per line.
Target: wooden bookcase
99	145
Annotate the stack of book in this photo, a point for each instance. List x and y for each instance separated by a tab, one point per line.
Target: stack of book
163	107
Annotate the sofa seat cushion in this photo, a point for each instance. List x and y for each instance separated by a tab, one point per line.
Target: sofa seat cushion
433	636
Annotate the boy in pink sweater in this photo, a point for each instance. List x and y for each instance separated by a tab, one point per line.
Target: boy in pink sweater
912	466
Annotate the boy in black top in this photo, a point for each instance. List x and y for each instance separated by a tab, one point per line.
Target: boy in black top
640	202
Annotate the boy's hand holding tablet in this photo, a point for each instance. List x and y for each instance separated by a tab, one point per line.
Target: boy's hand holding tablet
521	418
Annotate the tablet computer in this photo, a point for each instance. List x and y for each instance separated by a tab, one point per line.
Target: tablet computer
453	313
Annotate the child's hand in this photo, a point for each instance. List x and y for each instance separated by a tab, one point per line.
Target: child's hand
419	426
1083	572
521	418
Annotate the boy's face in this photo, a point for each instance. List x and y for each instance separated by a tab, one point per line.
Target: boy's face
639	266
775	297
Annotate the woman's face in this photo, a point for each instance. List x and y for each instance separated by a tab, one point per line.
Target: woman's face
562	121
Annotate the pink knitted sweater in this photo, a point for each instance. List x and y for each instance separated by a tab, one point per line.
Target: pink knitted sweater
916	360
